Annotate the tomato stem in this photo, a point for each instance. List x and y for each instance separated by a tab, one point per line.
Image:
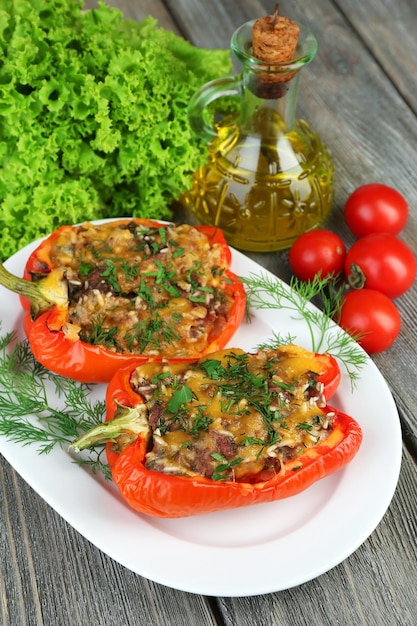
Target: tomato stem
356	278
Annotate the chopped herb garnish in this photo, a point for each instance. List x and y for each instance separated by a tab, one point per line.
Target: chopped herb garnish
180	397
163	235
178	252
110	274
252	441
200	422
84	268
213	368
162	376
305	426
146	294
149	334
130	271
99	334
221	471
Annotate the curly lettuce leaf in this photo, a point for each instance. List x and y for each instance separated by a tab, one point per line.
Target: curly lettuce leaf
93	116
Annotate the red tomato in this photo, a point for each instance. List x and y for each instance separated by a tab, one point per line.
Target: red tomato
387	263
372	313
376	208
317	251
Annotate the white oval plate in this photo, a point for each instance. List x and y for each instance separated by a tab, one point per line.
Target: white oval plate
243	552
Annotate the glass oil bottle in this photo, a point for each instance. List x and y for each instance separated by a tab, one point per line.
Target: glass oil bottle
269	178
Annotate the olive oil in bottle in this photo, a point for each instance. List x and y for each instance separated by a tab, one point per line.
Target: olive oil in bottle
269	178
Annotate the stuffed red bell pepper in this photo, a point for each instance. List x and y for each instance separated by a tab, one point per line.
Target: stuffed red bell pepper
230	430
98	297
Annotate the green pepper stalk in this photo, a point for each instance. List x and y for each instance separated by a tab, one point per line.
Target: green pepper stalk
127	424
43	294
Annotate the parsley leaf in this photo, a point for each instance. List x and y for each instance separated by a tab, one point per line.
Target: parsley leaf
180	397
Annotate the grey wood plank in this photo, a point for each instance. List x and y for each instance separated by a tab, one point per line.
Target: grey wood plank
370	588
139	10
51	575
388	29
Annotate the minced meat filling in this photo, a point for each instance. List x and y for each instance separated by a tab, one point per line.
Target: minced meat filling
135	289
233	415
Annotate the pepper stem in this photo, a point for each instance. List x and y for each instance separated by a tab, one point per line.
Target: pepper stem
43	295
128	424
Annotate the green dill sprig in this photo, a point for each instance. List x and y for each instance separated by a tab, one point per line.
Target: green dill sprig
265	292
29	399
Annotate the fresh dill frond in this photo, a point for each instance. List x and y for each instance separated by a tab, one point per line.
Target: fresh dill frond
95	463
38	407
303	300
276	340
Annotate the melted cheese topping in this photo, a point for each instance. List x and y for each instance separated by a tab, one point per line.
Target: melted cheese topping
135	289
233	415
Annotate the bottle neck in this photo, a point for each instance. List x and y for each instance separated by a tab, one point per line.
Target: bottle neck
270	90
267	98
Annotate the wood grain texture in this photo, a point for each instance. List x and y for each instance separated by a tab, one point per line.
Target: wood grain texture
388	29
51	575
139	10
360	94
367	589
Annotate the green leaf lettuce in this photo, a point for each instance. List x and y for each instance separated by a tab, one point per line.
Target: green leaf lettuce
93	116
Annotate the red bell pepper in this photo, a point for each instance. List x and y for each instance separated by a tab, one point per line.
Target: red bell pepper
166	495
46	306
163	495
329	373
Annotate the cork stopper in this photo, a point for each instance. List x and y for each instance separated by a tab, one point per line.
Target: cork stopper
274	40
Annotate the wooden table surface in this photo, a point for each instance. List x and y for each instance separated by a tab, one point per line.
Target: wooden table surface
360	94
